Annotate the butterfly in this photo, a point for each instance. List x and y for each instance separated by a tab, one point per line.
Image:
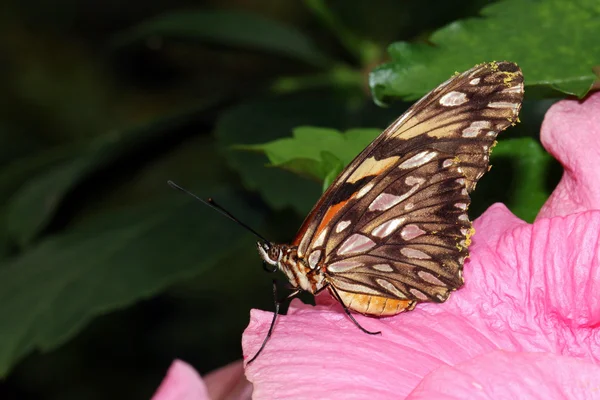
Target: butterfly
392	230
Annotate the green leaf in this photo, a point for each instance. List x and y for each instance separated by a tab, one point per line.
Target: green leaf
230	28
335	166
316	152
34	204
554	42
51	292
19	171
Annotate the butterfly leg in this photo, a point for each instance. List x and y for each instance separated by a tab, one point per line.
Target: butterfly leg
277	303
349	314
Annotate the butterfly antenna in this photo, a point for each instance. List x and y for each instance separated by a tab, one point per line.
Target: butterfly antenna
212	204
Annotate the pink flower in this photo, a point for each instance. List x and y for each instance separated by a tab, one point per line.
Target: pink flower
525	325
183	383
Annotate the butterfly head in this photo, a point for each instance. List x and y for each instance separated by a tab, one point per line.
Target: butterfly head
286	259
270	253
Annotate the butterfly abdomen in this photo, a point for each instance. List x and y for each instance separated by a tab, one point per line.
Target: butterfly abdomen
375	305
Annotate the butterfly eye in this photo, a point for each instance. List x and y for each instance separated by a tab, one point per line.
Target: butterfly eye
274	254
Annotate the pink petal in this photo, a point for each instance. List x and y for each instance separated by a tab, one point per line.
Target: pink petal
536	287
528	288
229	382
571	133
181	383
503	375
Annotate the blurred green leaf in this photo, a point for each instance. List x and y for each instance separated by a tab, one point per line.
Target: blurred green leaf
530	163
19	171
231	28
316	152
34	204
51	292
365	51
557	54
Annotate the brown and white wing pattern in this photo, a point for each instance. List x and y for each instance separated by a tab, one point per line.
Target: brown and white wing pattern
394	224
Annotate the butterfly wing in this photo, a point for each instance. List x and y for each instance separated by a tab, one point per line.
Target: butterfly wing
394	222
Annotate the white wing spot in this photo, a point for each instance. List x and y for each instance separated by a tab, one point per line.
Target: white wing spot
418	294
342	225
390	287
388	227
464	217
411	231
365	189
409	206
430	278
448	163
462	206
470	132
503	104
321	238
475	128
343	266
385	201
460	181
441	298
314	258
475	81
382	267
356	243
414	253
453	99
418	159
491	133
411	181
481	124
514	89
464	192
464	231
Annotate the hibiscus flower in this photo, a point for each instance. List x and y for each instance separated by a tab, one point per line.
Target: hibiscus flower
524	325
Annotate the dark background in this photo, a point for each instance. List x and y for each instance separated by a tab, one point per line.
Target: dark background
98	113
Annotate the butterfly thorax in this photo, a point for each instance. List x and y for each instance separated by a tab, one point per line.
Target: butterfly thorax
295	268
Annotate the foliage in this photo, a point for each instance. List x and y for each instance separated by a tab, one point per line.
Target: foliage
505	33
